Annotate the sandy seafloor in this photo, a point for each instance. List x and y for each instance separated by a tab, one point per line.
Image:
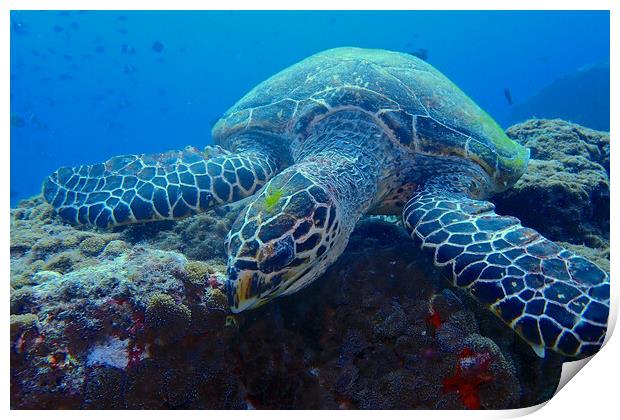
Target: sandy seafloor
136	317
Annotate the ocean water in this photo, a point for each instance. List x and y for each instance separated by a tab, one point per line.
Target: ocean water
89	85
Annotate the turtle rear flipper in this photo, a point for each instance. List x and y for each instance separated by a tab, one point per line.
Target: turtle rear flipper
550	296
164	186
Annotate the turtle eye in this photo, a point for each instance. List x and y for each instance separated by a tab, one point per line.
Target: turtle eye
276	255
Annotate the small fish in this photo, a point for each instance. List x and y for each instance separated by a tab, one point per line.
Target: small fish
129	69
157	46
58	28
128	49
421	53
123	103
508	96
18	28
99	49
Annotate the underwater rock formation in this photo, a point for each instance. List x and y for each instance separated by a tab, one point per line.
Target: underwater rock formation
565	192
137	318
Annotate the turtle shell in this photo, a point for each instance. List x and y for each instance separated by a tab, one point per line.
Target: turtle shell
417	106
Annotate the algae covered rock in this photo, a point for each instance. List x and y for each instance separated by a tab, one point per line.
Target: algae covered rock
138	318
117	323
23	323
115	248
198	272
41	241
168	319
565	192
92	245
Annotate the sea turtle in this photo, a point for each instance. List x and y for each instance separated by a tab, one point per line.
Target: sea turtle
341	134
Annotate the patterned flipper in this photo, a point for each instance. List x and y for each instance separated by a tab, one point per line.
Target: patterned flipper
550	296
140	188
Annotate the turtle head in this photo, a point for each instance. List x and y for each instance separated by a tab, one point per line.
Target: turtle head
282	241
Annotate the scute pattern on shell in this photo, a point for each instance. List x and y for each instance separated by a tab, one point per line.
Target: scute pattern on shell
417	106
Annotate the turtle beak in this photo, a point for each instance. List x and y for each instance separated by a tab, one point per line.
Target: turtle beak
239	291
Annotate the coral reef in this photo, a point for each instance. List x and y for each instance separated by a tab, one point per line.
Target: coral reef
137	318
565	192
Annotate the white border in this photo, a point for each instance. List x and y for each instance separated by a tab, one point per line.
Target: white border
592	395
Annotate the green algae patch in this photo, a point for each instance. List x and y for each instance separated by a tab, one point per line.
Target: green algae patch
272	197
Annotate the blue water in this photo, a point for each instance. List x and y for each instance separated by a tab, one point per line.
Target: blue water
89	85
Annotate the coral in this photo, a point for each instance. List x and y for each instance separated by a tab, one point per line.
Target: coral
598	255
22	300
62	263
198	237
93	245
565	192
115	248
112	353
23	323
198	272
41	241
103	388
141	319
168	319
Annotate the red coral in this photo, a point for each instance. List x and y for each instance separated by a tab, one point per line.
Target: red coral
472	370
434	320
214	281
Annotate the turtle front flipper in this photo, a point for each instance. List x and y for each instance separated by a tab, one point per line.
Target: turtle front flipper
149	187
550	296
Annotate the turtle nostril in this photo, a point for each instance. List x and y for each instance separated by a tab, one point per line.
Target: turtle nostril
276	255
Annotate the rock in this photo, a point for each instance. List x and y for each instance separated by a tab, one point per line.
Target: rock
565	192
23	323
168	319
198	272
139	318
93	245
115	248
